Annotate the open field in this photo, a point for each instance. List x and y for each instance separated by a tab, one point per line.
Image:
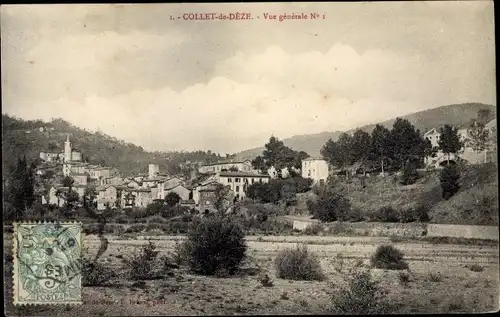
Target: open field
182	293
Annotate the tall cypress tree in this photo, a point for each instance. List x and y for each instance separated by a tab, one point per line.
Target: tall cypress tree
21	190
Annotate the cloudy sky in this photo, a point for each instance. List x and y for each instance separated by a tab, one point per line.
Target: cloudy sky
131	72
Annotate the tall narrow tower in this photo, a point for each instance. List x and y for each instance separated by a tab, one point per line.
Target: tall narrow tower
67	149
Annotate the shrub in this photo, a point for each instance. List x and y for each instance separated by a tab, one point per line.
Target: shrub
95	274
435	277
143	266
389	258
138	227
153	209
330	206
180	255
313	229
266	281
122	220
154	226
298	264
215	243
172	199
410	174
355	215
476	268
179	227
156	219
449	178
362	296
387	214
404	278
91	228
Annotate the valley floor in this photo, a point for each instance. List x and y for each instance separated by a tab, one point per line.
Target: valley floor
458	290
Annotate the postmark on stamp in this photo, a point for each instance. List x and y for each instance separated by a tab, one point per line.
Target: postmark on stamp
47	263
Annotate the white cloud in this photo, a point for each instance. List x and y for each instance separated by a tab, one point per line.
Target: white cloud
254	96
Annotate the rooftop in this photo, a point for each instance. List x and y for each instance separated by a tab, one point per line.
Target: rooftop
317	158
155	179
226	162
241	174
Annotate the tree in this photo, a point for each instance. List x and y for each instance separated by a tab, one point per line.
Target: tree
410	174
89	197
71	198
172	199
68	182
381	146
361	145
479	138
263	192
449	178
330	206
339	153
406	142
449	140
223	198
21	188
278	155
259	164
483	116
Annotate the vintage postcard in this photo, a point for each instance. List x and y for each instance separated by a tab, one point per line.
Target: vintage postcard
249	158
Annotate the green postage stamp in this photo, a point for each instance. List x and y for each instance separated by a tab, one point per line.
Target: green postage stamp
47	263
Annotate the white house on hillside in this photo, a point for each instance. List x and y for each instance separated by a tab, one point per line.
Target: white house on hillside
316	169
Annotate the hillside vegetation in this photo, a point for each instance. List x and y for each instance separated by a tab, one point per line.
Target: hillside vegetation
476	202
20	137
455	115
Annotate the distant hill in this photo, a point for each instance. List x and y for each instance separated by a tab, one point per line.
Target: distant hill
456	115
21	137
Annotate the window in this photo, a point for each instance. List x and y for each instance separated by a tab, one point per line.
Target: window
229	180
237	188
237	180
253	180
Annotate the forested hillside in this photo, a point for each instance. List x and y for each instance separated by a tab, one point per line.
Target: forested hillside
456	115
20	137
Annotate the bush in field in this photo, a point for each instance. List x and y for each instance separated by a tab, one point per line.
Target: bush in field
416	213
91	228
361	296
387	214
122	219
449	178
156	219
95	274
180	255
138	227
143	266
215	244
330	206
389	258
298	264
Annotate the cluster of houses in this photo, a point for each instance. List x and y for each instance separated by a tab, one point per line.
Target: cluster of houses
467	153
115	191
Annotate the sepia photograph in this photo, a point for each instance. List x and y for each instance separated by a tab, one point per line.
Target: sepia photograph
183	159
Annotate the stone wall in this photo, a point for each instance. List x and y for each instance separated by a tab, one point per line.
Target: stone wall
462	231
409	230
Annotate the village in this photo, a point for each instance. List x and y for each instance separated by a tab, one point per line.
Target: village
250	159
113	190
